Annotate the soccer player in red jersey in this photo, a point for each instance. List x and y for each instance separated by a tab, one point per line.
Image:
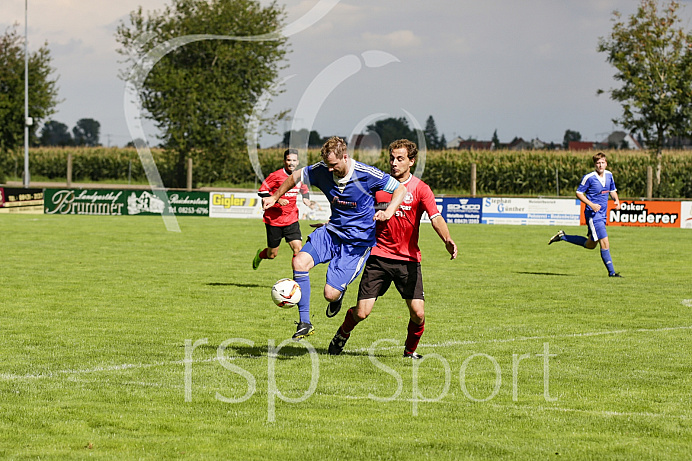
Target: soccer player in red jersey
281	220
396	258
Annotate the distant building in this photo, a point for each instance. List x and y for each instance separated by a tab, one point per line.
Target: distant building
519	144
581	145
621	140
454	143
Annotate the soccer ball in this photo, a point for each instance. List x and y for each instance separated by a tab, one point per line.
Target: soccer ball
286	293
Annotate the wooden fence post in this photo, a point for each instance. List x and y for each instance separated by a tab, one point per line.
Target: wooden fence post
69	169
189	174
649	182
473	180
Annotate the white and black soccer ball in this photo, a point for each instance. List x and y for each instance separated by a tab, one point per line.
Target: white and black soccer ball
286	293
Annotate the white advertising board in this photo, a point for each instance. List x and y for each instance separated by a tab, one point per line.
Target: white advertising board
234	205
525	211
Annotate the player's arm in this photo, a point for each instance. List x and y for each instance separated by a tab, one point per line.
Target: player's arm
288	184
397	198
440	226
595	207
305	192
616	199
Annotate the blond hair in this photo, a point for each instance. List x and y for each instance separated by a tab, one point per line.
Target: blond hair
334	144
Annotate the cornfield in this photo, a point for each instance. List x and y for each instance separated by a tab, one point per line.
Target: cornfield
527	173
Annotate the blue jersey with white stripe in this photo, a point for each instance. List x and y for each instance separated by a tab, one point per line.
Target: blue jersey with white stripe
352	198
597	190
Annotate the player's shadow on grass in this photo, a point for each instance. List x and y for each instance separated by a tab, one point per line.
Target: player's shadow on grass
545	273
288	352
236	351
235	284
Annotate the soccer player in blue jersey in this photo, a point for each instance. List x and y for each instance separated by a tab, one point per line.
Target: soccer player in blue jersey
345	241
593	191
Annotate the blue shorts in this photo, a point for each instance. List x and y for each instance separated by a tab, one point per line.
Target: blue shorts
597	227
345	261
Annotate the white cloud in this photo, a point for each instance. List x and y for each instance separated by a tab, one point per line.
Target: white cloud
399	39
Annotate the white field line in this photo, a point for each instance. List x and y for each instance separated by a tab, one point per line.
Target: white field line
540	338
130	366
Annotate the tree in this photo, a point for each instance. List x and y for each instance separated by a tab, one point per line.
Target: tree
299	137
653	59
391	129
201	95
495	140
570	136
43	91
443	142
86	132
432	139
55	134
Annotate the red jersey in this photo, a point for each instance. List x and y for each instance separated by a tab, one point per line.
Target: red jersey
278	215
398	237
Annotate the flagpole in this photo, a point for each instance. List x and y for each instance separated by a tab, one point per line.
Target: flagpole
27	120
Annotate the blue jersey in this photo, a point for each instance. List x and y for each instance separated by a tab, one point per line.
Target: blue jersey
597	190
352	198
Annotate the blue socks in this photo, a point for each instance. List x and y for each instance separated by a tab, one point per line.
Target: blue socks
303	280
607	260
575	239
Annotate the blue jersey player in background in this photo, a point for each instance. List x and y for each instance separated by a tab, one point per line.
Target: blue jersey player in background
594	190
345	241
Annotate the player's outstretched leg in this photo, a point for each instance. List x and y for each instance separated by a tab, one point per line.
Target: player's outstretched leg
258	258
557	237
573	239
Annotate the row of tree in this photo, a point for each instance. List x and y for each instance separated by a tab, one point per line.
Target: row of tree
377	135
86	132
200	91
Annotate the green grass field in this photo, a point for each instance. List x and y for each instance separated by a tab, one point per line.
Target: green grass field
532	352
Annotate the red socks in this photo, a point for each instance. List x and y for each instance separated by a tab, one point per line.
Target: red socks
263	254
414	333
349	323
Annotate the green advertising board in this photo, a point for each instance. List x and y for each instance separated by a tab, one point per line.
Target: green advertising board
106	202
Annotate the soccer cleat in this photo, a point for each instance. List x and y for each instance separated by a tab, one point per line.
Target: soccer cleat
256	262
336	346
557	237
615	274
304	329
412	355
334	307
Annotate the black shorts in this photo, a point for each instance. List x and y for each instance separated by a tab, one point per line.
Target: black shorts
379	273
276	233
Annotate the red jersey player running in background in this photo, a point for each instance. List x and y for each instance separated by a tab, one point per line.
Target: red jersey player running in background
396	258
281	220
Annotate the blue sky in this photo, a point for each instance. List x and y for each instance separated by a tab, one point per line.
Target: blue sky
527	69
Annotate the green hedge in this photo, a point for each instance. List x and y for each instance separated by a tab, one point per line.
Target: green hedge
497	172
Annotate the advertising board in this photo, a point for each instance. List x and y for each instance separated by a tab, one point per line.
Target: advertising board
461	210
234	205
21	200
642	213
105	202
523	211
686	215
